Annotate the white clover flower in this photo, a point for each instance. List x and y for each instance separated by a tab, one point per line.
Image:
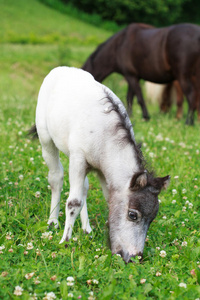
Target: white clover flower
29	275
10	204
69	283
173	201
164	217
75	239
176	177
49	296
95	281
30	246
96	256
2	247
36	280
47	235
18	291
163	253
70	278
184	208
70	295
159	137
157	248
184	191
31	159
21	176
151	154
190	205
174	192
8	236
158	273
37	194
184	285
34	297
37	179
143	280
184	244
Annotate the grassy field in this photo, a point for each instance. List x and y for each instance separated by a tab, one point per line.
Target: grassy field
34	39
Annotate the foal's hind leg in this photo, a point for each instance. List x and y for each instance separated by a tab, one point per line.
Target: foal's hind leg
84	213
75	201
55	177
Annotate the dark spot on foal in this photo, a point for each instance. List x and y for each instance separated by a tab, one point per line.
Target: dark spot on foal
72	213
74	203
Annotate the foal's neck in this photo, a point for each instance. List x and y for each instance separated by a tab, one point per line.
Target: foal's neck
119	167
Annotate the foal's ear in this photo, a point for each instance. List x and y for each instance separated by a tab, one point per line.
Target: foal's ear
138	181
164	181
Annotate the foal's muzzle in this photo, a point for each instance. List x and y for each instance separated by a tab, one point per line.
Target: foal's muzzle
130	258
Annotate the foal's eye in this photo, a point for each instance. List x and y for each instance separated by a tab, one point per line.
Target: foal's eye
133	215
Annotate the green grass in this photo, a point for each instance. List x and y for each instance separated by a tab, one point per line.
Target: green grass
170	146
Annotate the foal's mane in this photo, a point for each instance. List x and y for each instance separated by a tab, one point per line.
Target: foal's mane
124	123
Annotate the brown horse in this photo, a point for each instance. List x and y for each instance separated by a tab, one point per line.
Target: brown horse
159	55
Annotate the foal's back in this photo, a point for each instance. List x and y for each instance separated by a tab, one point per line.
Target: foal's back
71	110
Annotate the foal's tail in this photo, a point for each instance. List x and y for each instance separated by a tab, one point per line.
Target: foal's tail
33	132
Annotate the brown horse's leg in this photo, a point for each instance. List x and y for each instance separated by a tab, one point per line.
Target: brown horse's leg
179	100
166	98
135	87
189	90
130	97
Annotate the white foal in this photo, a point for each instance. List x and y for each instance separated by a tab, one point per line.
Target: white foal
86	121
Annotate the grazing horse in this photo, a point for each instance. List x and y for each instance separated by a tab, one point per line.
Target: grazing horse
159	55
84	119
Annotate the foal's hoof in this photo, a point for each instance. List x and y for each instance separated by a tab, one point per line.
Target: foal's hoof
53	223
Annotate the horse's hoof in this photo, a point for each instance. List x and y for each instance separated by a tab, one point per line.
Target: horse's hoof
53	223
189	122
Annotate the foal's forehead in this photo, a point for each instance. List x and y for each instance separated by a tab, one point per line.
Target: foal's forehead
144	201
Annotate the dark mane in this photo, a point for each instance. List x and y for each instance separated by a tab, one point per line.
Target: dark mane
124	123
100	48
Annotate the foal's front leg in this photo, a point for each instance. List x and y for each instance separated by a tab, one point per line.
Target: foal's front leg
84	213
75	201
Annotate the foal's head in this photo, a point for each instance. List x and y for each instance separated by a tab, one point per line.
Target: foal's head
132	211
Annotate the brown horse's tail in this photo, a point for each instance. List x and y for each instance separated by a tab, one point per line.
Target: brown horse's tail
33	132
